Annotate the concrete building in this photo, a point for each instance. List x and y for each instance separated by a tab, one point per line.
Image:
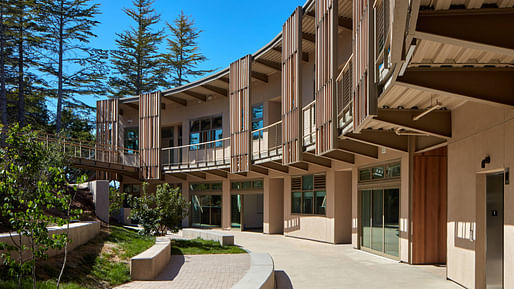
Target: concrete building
386	124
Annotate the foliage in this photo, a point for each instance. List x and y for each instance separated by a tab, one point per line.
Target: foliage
199	246
49	284
183	56
160	212
29	187
137	61
116	200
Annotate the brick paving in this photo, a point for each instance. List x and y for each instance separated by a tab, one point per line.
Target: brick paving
218	271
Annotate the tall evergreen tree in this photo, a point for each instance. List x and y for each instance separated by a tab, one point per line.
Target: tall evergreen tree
184	55
3	55
69	28
137	61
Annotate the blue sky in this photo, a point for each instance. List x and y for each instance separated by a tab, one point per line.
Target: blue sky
231	28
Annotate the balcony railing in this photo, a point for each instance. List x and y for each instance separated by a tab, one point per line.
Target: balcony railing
309	125
382	39
87	150
345	100
267	142
211	154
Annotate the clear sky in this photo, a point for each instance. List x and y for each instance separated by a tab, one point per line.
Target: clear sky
231	28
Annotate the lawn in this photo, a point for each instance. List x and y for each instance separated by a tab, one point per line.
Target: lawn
101	263
199	246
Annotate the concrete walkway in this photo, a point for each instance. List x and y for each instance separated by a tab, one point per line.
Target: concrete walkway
309	264
219	271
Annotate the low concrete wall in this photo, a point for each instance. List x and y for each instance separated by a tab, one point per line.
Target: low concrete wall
147	265
224	239
80	233
261	274
100	191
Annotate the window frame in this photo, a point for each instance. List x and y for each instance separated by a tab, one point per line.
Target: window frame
314	191
212	133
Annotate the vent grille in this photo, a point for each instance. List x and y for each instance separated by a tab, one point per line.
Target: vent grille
319	182
296	183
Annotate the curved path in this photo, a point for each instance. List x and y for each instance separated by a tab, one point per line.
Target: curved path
309	264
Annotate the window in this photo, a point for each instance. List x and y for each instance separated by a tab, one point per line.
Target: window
205	187
131	140
308	195
206	130
248	185
380	172
130	189
257	121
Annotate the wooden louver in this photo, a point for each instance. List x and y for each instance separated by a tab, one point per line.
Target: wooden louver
292	88
364	96
325	75
239	99
150	135
107	123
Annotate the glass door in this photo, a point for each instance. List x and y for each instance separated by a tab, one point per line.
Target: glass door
206	211
235	211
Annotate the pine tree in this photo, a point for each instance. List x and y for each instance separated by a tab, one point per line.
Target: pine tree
3	56
69	28
137	61
184	56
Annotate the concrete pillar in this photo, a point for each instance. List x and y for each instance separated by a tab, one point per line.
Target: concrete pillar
273	206
186	222
225	205
100	191
355	208
343	207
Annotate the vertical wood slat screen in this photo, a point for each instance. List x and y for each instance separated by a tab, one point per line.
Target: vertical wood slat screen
150	135
107	123
292	88
239	98
325	75
363	103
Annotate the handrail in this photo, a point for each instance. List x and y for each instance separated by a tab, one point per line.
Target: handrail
309	130
267	141
205	154
198	144
266	127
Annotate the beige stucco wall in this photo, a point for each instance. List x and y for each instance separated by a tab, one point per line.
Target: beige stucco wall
273	206
478	130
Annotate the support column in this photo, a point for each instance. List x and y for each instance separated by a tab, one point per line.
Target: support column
273	206
343	207
355	208
186	222
225	205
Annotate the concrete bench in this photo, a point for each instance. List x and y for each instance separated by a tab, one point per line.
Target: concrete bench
225	239
147	265
261	274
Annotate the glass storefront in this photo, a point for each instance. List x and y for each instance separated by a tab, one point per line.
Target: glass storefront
206	210
235	211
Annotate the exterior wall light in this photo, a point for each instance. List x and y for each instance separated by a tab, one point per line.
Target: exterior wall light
486	160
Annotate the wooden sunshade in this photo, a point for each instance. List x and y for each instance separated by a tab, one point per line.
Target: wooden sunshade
239	98
107	123
364	99
292	88
150	135
325	75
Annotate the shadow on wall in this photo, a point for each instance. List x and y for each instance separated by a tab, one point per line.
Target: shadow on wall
292	224
282	281
465	235
171	270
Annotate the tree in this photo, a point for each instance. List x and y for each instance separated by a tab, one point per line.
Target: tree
136	61
29	188
160	212
69	27
184	56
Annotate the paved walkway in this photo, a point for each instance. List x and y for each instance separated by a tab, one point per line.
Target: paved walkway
309	264
220	271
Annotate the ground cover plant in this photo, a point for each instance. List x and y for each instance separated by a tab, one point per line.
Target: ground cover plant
199	246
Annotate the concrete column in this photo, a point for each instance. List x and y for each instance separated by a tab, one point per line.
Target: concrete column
225	205
343	207
273	206
355	208
186	222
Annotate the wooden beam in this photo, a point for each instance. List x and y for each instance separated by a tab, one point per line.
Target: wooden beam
175	99
305	55
224	79
309	37
320	161
260	76
340	155
494	86
199	175
387	139
342	21
275	166
196	95
437	123
359	148
219	173
300	165
426	143
269	64
215	89
181	176
492	28
259	170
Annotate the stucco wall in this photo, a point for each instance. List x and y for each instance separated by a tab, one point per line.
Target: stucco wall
273	206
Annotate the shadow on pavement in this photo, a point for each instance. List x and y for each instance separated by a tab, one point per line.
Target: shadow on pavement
171	270
282	281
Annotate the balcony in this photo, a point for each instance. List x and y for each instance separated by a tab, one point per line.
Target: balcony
192	157
345	100
267	143
309	126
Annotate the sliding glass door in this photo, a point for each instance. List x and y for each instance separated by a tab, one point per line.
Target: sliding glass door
206	210
380	220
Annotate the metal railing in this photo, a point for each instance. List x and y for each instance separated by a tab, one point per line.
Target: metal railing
89	150
382	38
309	124
345	99
267	142
214	153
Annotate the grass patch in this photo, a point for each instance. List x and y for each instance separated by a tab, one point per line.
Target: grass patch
199	246
27	284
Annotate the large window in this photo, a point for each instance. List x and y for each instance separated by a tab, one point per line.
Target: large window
257	120
248	185
205	130
308	195
131	141
389	171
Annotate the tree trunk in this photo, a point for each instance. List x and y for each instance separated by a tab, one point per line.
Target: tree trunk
21	84
3	94
58	120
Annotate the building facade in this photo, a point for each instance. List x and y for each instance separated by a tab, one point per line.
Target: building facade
386	124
